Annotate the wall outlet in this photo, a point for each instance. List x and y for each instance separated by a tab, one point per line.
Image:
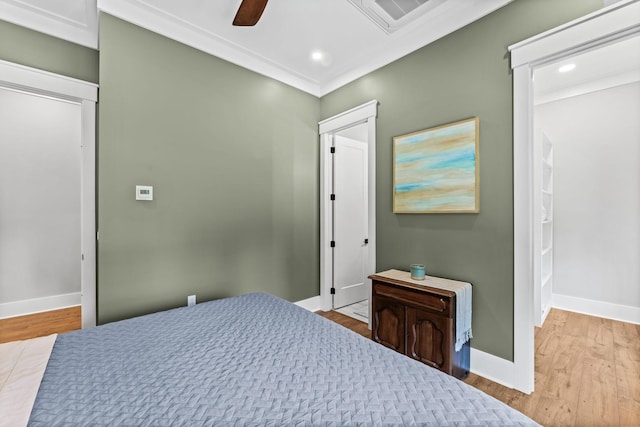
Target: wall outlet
191	300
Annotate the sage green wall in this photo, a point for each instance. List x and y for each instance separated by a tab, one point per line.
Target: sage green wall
33	49
465	74
233	158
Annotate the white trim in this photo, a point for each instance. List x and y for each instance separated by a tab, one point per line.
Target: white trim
326	172
86	94
373	241
22	77
615	21
364	113
623	313
83	32
311	304
493	368
39	305
602	27
349	118
88	217
523	346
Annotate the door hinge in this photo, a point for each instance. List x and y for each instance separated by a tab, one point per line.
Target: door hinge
333	291
366	241
333	150
333	197
333	243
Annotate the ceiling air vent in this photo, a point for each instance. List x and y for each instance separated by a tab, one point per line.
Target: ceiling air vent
391	15
396	9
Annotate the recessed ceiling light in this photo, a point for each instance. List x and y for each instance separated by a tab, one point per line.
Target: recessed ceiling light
566	68
321	57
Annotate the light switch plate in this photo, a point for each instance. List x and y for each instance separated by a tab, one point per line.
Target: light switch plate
144	192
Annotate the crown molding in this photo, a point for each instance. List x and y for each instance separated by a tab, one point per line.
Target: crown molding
452	16
82	31
146	16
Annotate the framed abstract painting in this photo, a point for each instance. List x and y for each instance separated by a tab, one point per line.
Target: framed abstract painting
437	170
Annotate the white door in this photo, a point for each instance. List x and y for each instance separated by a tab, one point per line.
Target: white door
40	198
350	221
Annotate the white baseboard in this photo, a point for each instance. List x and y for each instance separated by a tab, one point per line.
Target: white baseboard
38	305
493	368
311	304
623	313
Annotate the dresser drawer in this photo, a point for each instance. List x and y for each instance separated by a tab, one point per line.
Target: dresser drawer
422	299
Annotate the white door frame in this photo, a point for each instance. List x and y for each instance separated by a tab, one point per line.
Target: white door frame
365	113
602	27
85	94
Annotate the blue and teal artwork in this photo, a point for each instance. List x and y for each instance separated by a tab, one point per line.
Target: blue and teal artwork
436	170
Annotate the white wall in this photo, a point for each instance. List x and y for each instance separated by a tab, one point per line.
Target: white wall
40	201
596	199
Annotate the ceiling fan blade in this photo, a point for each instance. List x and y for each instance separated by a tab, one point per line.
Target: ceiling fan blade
249	12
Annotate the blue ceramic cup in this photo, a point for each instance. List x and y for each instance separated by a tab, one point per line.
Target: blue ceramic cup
417	271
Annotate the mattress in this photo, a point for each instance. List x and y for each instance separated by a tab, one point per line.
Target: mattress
249	360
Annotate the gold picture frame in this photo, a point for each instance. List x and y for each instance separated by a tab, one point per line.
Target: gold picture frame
437	170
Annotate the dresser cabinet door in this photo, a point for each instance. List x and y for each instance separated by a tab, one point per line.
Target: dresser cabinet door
429	338
388	323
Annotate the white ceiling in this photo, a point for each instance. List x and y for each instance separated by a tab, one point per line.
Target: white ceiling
279	46
596	69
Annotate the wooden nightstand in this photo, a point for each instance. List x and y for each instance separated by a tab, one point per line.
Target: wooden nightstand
418	320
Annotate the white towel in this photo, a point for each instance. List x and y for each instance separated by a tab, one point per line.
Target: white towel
463	300
463	315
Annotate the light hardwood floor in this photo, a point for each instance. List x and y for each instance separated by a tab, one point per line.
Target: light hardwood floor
40	324
587	372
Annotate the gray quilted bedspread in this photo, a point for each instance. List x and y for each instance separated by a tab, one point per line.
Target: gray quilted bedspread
249	360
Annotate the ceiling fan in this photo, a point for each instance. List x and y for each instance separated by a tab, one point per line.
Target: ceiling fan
249	12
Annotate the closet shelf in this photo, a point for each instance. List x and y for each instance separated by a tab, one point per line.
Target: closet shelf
544	252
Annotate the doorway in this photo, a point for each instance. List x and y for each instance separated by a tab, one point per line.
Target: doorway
47	193
349	215
606	26
347	227
588	105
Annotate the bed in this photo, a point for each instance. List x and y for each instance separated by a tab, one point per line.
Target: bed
249	360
